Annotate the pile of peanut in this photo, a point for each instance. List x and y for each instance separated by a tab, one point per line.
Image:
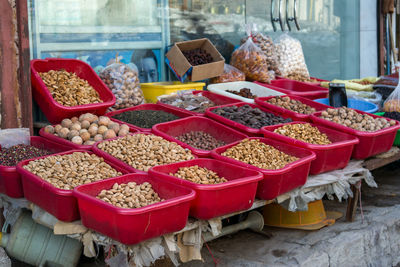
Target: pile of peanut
143	151
304	132
256	153
70	170
199	175
130	195
68	89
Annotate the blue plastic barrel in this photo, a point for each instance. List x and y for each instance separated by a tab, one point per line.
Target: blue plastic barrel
354	103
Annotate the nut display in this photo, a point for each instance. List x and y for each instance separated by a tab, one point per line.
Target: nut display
68	89
70	170
124	83
12	155
197	56
200	140
304	132
230	74
301	78
199	175
244	92
392	115
250	117
291	57
391	105
87	129
353	119
291	104
256	153
130	195
145	118
188	101
145	151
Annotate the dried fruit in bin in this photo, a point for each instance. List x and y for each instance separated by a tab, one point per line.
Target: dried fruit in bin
197	56
243	92
304	132
252	61
230	74
11	156
199	175
200	140
124	84
68	89
291	104
145	118
187	100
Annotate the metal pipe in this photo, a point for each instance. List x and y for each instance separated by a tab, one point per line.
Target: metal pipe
254	221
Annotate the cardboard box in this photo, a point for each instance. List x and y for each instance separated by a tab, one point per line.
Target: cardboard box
182	68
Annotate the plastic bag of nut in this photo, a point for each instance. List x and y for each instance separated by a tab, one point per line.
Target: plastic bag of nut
291	57
267	46
230	74
251	60
392	103
123	81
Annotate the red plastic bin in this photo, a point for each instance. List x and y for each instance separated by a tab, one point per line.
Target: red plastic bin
312	83
117	161
10	179
58	202
131	226
292	87
215	199
171	130
276	182
63	141
216	98
167	108
297	116
371	143
242	128
328	157
54	111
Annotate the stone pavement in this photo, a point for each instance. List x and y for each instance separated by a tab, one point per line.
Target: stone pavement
372	242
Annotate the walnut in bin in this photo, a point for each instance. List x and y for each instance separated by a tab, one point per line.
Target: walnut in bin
87	129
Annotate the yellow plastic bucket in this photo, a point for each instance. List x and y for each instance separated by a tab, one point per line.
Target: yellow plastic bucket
152	90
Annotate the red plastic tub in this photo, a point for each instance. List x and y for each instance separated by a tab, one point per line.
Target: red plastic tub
131	226
216	98
117	161
242	128
276	182
167	108
58	202
312	83
63	141
56	112
371	143
292	87
297	116
215	199
10	179
171	130
328	157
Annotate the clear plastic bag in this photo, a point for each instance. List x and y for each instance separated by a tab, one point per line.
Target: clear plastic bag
251	60
392	103
13	137
291	58
230	74
123	81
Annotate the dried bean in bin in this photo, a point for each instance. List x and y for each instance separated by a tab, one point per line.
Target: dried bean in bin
11	156
200	140
145	118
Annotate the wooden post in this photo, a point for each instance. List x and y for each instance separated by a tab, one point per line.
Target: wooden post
15	85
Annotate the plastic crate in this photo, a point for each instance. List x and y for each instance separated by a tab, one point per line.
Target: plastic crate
397	138
297	116
328	157
152	90
215	200
318	81
173	129
242	128
58	202
63	141
291	87
371	143
354	103
117	161
181	113
56	112
131	226
255	89
10	179
276	182
216	98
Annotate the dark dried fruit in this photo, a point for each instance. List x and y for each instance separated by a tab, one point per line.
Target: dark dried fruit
197	56
11	156
145	118
200	140
244	92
